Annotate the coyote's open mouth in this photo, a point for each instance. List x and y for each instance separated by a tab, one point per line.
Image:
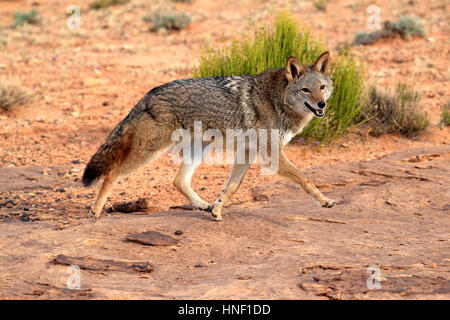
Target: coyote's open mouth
317	112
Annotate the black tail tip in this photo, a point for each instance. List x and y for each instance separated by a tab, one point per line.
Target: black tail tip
90	175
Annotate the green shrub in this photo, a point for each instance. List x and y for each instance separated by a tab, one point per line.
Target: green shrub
268	48
168	21
320	5
406	27
445	116
396	111
12	94
101	4
21	18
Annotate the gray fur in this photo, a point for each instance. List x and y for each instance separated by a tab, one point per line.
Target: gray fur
274	99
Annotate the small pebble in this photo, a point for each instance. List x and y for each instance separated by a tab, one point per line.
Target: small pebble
24	218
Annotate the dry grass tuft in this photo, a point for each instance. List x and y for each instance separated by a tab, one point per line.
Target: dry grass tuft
12	94
396	111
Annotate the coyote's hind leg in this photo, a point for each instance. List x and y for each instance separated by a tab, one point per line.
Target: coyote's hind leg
183	178
107	185
132	163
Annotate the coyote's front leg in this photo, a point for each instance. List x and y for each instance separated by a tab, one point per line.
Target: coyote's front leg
288	170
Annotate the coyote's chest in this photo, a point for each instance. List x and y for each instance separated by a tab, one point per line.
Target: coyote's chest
288	134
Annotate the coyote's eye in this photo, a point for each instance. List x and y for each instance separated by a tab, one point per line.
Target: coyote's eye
322	87
305	90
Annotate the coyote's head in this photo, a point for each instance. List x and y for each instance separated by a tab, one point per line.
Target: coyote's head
309	87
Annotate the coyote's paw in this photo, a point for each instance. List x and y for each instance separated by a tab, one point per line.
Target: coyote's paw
209	208
217	217
93	215
328	203
216	212
205	207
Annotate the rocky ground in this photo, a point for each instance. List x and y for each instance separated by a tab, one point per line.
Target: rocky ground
274	242
392	214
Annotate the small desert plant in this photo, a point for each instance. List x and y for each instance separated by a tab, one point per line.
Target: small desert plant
268	48
406	27
101	4
12	94
366	38
396	111
445	116
183	1
354	5
167	21
21	18
320	5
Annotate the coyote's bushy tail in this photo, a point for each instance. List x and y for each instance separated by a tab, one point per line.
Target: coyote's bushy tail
110	155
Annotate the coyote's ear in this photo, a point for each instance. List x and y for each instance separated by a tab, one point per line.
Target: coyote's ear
322	63
294	69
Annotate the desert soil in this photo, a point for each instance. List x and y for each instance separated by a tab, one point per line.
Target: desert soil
274	242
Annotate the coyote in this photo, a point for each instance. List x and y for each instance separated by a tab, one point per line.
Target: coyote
285	99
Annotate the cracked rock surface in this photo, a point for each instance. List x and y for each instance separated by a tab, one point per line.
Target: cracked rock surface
392	215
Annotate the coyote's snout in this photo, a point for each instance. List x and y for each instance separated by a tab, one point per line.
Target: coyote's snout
284	99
